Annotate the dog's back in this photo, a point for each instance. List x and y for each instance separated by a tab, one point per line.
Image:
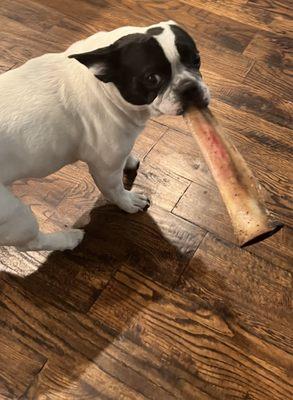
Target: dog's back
34	113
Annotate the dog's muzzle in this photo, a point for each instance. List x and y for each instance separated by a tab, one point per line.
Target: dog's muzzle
191	92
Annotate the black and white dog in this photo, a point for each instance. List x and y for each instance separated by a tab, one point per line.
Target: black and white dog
89	103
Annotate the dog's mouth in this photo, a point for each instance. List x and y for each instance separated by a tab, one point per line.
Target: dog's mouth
193	93
177	101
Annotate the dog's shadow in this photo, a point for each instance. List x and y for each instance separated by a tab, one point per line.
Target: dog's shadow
74	282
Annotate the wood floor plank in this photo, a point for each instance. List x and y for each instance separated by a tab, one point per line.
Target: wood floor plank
217	60
59	29
134	305
280	82
280	7
274	50
172	121
31	20
204	207
222	32
277	249
103	238
242	283
6	64
29	15
177	152
244	96
18	365
19	49
149	137
85	12
79	363
157	243
21	264
262	15
163	188
206	27
90	382
262	134
281	25
85	354
208	363
43	195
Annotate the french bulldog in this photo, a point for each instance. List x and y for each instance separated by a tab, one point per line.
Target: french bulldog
90	103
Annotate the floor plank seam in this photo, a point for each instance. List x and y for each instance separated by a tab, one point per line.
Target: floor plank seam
175	205
230	244
253	62
188	263
192	223
22	396
175	174
151	148
172	127
95	301
234	245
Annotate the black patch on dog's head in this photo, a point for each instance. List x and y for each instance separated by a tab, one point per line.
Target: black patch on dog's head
136	64
157	30
189	55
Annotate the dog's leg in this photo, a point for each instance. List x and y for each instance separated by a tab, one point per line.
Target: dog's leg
19	228
64	240
132	164
130	171
111	185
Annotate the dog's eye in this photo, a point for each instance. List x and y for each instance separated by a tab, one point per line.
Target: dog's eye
152	80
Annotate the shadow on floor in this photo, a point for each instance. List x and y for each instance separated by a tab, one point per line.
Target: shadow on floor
59	296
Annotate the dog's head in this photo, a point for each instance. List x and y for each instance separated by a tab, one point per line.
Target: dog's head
157	66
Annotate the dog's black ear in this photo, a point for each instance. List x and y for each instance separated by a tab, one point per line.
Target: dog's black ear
99	61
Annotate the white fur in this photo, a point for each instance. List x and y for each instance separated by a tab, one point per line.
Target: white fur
53	111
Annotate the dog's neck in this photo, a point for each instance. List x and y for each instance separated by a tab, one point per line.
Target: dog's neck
135	115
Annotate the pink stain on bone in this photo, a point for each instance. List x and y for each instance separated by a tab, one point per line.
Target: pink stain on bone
218	152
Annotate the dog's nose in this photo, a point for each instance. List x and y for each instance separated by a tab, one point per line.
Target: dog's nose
192	93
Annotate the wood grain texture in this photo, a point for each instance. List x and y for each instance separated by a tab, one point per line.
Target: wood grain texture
238	283
267	15
193	336
157	243
274	50
18	365
159	305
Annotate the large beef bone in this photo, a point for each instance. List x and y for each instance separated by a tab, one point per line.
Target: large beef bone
239	189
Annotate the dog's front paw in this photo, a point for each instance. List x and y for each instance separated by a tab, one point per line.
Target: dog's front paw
72	238
132	202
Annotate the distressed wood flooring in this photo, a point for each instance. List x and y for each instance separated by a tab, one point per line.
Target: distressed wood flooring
160	305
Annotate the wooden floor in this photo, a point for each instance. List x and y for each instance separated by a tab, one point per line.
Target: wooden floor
160	305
